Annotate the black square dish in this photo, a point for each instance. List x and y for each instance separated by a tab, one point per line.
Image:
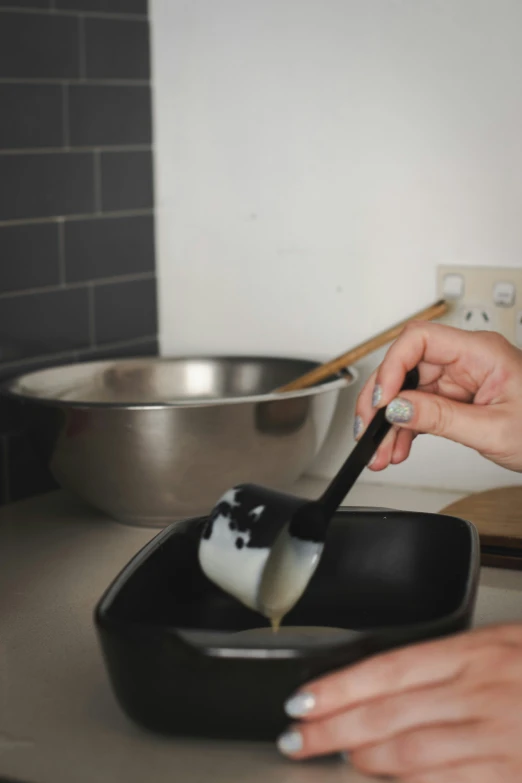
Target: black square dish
387	578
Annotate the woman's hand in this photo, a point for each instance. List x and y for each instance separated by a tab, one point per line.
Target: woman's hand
470	392
448	711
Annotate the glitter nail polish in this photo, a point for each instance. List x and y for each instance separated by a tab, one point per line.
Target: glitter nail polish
358	427
377	395
399	411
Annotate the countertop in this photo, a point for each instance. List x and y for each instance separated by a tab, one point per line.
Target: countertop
59	722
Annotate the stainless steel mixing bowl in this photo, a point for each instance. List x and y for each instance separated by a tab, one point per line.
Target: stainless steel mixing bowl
149	441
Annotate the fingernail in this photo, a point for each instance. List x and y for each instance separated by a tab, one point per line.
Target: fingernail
291	742
345	757
399	411
300	704
372	460
358	426
377	395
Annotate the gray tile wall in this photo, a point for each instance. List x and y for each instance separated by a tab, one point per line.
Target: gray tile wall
77	266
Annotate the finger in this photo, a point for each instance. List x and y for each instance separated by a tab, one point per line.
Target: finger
383	455
426	748
432	344
490	770
403	444
378	721
364	411
366	407
377	677
403	669
477	426
429	380
436	379
429	374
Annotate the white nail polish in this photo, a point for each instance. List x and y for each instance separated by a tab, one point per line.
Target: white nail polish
300	704
291	742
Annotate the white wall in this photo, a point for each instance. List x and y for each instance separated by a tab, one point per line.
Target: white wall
316	159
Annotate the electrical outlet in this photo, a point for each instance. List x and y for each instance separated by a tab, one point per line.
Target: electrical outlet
475	318
483	298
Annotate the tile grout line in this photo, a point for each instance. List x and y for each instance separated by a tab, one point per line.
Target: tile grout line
92	324
70	286
97	82
122	213
61	251
65	113
4	477
117	148
81	48
29	360
137	341
97	174
10	9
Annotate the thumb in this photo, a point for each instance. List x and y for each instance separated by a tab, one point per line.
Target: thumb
471	425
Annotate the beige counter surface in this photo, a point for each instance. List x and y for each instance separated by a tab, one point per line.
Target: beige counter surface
59	722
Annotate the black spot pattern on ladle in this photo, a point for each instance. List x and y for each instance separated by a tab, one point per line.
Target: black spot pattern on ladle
240	519
222	509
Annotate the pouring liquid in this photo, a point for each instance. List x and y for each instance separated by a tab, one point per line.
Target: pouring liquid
289	568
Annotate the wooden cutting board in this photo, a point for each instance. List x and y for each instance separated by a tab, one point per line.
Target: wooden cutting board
497	515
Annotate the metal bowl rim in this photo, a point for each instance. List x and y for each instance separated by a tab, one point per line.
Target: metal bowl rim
337	384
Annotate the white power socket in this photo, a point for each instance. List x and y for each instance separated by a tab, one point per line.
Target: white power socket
483	298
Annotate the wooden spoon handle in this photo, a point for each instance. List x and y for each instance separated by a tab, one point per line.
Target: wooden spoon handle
324	371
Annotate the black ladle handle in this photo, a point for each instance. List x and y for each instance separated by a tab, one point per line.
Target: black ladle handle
359	458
